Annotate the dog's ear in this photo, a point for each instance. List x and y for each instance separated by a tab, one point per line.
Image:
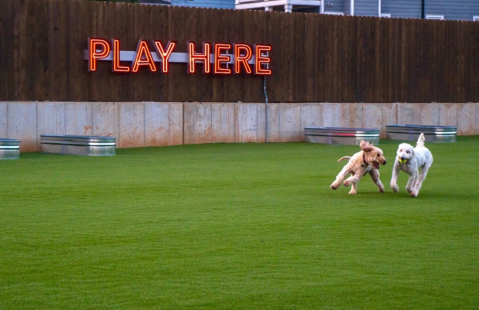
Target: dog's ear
365	146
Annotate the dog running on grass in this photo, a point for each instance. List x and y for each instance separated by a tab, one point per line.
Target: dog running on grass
410	160
361	163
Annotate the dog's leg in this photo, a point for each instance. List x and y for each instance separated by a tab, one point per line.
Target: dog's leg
394	179
353	179
418	183
353	190
340	177
374	173
411	181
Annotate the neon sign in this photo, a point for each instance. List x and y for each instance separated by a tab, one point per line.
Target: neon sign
216	58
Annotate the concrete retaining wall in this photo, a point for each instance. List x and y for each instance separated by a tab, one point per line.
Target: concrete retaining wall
139	124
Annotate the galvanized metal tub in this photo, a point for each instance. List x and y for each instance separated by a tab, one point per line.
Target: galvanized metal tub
9	149
78	145
435	134
341	135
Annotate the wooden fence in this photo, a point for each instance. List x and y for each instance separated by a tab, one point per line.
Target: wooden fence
314	58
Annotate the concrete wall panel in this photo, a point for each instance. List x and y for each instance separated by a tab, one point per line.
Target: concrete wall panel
447	114
273	122
465	123
222	122
188	123
332	115
106	119
197	123
157	124
202	123
22	124
176	123
289	122
80	118
131	125
248	116
388	117
430	114
372	116
3	120
51	118
138	124
311	116
409	114
352	115
163	124
261	130
476	131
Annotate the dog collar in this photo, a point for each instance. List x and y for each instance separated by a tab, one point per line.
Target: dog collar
364	160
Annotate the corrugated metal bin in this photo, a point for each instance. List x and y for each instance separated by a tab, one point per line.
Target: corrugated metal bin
9	149
341	135
78	145
435	134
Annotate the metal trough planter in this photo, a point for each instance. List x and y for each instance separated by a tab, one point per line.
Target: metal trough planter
341	135
435	134
9	149
78	145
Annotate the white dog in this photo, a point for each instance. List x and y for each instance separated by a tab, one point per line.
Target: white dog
410	160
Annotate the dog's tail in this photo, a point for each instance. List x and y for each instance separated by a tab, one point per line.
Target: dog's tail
420	141
344	158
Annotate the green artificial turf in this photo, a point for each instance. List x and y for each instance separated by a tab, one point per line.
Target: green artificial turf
236	226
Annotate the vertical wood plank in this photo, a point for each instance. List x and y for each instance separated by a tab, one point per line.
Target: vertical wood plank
21	45
7	51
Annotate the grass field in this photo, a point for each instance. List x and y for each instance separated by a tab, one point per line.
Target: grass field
236	226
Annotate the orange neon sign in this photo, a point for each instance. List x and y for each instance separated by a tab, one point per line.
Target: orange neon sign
116	58
216	58
243	54
222	58
262	59
194	57
97	49
165	55
143	57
